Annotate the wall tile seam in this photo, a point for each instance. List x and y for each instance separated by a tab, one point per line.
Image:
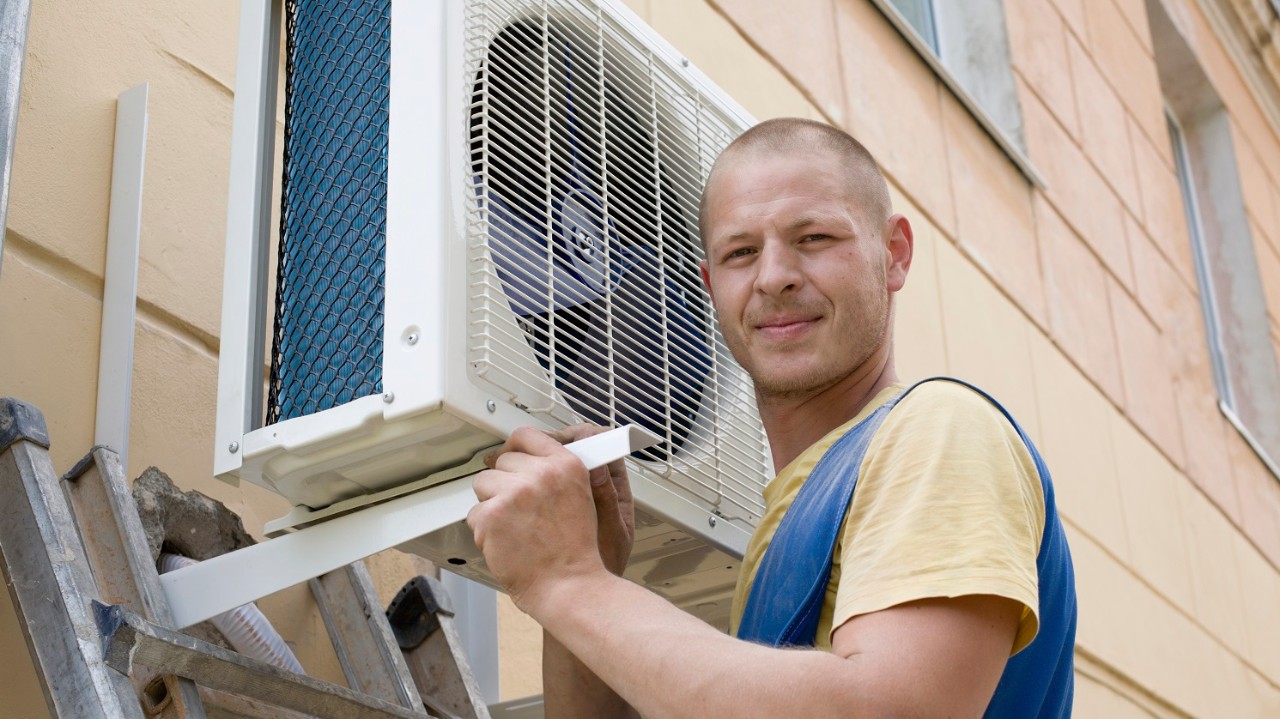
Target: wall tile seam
1190	616
1119	409
168	323
1272	242
1124	97
781	67
1106	267
1135	32
1087	44
191	67
1245	534
1144	222
976	263
1094	667
1133	264
71	274
1130	120
1251	217
1107	285
60	267
1238	135
957	241
1044	101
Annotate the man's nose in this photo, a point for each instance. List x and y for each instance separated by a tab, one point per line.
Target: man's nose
778	270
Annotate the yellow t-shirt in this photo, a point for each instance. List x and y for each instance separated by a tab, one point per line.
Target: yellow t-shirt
948	503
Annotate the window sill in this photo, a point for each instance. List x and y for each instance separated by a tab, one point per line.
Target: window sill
1007	146
1236	422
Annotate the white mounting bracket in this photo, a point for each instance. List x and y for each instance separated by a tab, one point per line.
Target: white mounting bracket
222	583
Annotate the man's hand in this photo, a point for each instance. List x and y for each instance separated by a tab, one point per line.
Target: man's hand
536	521
611	492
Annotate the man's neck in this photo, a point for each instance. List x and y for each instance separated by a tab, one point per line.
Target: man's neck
793	423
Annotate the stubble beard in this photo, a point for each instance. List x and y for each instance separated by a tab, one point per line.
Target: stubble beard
773	389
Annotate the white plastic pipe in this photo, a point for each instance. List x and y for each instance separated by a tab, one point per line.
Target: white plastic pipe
245	626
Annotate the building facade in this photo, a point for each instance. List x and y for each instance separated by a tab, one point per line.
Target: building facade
1095	191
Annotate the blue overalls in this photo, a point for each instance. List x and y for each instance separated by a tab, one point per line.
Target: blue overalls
790	583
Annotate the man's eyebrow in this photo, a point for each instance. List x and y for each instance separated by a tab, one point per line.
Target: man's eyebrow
798	223
811	219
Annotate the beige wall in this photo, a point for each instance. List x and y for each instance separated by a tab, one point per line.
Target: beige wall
1075	304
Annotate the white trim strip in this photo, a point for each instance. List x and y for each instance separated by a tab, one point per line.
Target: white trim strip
120	278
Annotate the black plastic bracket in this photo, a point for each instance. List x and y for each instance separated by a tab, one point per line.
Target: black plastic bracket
412	613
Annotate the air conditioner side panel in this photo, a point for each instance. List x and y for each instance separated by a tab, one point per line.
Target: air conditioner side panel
420	218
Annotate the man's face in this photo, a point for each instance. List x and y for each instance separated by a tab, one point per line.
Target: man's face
797	277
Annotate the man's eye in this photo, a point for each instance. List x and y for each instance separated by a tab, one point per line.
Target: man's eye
815	237
740	252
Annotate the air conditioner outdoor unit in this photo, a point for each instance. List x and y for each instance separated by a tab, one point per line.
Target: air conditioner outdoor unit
490	220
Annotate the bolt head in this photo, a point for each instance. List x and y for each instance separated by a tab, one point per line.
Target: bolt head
233	447
711	520
412	339
388	397
491	406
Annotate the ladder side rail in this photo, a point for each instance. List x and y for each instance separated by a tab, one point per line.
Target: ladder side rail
422	617
49	578
111	531
362	637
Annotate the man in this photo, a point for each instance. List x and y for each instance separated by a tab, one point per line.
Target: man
948	559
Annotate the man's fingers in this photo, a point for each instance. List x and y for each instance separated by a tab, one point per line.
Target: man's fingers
621	481
486	484
475	520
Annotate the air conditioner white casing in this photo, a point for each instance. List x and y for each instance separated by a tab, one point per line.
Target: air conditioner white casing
457	373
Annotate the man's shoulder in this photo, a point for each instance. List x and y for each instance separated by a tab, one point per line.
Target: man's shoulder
946	399
948	417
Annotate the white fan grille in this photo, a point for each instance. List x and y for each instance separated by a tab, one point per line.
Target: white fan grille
585	299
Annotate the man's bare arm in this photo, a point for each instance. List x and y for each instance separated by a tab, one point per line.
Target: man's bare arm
572	691
937	657
536	524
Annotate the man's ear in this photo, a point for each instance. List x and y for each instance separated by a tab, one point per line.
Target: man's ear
900	244
706	280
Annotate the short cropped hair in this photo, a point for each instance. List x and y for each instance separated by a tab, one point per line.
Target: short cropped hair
790	135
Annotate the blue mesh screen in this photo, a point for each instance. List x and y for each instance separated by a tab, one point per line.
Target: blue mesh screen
327	344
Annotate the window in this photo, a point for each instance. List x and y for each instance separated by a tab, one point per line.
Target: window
968	48
1200	255
919	14
1245	369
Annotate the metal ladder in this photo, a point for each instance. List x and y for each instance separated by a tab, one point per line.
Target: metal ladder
100	629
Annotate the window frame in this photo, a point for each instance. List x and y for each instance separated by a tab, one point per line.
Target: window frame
1200	256
931	58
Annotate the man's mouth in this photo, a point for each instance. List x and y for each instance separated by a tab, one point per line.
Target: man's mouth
783	327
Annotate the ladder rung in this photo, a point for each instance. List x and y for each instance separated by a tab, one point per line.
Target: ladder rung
132	641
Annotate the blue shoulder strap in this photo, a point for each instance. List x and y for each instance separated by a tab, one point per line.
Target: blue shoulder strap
786	597
790	584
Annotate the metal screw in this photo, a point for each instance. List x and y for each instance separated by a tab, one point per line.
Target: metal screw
388	397
491	406
684	62
711	521
412	338
234	447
